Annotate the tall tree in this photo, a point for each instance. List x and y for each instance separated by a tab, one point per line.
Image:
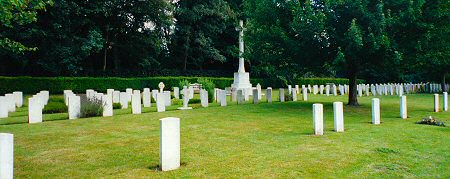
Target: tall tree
199	28
15	13
358	31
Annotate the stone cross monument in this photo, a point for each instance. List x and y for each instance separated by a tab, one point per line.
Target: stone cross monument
241	78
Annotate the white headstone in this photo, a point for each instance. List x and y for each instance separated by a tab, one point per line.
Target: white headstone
321	87
258	87
10	102
338	116
116	97
160	102
294	94
136	105
375	111
66	96
315	89
204	98
445	101
129	92
318	119
34	110
223	97
168	98
240	96
191	92
305	94
107	105
18	96
169	143
255	96
45	96
3	107
186	97
290	89
436	102
154	93
124	100
327	90
74	107
110	92
147	98
269	95
281	98
176	92
6	156
403	107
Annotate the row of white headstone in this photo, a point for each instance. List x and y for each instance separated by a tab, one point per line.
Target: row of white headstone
9	102
35	106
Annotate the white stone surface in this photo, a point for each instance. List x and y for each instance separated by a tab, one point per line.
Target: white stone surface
34	110
281	97
74	107
18	97
223	97
289	89
375	111
45	96
204	98
186	97
338	109
107	105
334	90
240	96
445	94
129	92
305	94
154	93
255	96
258	87
3	107
66	96
110	92
436	102
294	94
169	151
160	102
6	156
318	119
136	105
124	100
147	98
315	89
403	107
176	92
269	95
10	101
327	90
116	97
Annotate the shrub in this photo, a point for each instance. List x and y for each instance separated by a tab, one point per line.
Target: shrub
91	108
117	106
183	83
55	104
194	101
209	86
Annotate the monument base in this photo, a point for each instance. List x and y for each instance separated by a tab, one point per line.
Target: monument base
184	108
242	81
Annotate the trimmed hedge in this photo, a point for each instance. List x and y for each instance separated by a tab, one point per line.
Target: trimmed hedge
56	85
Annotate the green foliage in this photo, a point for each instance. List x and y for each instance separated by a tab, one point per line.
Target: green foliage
55	104
194	101
14	14
117	106
184	83
209	86
91	108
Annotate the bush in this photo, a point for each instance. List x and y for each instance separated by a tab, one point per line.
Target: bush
194	101
117	106
209	86
55	104
91	108
56	85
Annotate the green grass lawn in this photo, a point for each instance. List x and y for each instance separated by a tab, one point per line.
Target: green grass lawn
263	140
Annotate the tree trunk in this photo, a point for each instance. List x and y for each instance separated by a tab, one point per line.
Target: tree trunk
106	50
352	96
443	85
186	48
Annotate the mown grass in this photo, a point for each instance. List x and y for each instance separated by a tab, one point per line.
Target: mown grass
263	140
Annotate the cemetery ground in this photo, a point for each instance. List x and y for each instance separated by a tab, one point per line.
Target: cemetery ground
262	140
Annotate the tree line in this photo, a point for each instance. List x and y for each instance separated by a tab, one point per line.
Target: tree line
379	41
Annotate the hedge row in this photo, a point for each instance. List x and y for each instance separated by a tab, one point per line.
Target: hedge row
56	85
